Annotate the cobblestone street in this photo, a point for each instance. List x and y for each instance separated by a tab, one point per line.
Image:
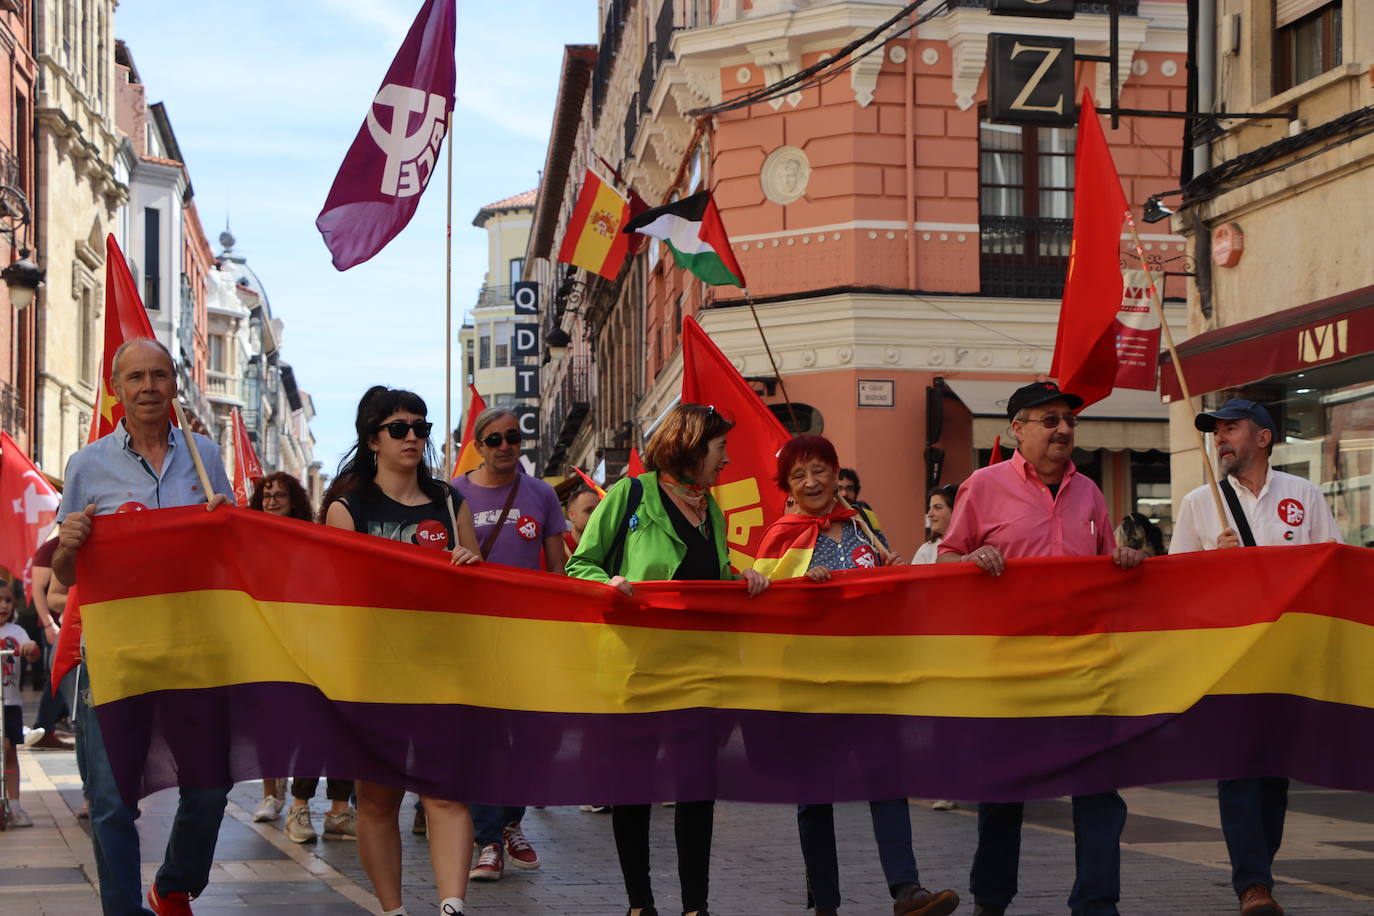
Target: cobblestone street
1172	860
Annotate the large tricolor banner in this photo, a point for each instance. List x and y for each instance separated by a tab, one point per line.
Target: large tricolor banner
212	662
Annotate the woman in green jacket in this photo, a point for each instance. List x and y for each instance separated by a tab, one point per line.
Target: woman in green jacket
665	525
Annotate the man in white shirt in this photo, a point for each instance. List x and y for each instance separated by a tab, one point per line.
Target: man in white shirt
1278	509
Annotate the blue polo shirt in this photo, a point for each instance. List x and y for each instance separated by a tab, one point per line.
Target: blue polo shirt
109	473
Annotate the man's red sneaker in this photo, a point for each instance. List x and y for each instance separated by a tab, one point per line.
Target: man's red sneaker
172	903
518	849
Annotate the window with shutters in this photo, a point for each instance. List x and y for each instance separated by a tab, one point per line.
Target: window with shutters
1307	40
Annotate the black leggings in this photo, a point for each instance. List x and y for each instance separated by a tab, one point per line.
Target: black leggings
692	826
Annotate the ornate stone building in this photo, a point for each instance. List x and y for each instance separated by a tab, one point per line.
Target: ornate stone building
81	192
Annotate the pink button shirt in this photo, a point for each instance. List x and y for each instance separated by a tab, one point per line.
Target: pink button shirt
1007	506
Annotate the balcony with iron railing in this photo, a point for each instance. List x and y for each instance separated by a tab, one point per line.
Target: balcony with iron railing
1024	257
224	387
489	296
1100	7
564	410
12	414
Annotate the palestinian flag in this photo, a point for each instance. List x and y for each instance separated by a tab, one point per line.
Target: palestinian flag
691	227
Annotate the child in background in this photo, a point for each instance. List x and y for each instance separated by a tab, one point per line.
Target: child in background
14	638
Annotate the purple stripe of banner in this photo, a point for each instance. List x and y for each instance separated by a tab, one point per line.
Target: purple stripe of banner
219	736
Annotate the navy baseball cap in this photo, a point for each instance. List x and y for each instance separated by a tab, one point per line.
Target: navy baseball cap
1236	409
1037	393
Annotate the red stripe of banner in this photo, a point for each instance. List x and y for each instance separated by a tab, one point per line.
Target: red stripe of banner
175	550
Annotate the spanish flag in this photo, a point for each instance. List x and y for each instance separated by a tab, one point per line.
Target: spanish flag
594	241
789	543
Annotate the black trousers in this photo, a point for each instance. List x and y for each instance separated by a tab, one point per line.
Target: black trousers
334	789
692	826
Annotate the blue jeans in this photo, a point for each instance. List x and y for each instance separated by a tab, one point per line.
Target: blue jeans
1252	815
190	848
1097	824
487	821
891	830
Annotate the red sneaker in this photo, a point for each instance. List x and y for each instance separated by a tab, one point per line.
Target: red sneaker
172	903
490	864
518	849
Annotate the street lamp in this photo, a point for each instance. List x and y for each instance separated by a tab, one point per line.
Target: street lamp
557	341
23	278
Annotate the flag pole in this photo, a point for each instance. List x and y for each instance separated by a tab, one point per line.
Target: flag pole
1178	372
448	304
195	452
774	363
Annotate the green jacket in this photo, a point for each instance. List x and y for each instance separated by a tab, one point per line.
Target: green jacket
652	548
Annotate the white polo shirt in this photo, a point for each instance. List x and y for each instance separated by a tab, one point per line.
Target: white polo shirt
1288	510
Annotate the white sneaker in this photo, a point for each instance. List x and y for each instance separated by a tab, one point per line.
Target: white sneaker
944	804
298	826
268	809
342	826
19	817
33	735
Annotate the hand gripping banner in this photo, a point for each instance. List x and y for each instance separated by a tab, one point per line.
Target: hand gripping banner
233	645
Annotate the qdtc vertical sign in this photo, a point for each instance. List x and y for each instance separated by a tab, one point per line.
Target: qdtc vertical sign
526	341
1030	80
525	295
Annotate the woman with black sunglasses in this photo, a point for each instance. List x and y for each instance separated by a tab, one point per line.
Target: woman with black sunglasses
519	522
384	487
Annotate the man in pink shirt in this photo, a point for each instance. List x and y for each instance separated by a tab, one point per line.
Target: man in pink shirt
1036	504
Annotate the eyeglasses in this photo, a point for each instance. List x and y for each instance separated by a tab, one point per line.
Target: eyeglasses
399	428
1052	420
512	437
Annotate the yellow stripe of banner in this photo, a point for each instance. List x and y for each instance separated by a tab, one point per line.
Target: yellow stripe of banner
218	638
603	224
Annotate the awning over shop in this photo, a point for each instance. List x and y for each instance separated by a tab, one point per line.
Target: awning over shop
1126	419
1292	340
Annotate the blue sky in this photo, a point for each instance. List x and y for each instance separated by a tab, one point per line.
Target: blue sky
265	98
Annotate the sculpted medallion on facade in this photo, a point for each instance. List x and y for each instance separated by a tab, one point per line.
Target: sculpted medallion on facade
785	174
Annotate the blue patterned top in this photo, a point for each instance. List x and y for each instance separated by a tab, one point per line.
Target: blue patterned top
852	551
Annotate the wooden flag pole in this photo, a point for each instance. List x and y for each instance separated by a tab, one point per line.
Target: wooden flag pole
195	452
1178	372
448	307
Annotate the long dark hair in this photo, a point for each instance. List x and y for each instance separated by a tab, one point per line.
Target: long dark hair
358	469
947	493
295	495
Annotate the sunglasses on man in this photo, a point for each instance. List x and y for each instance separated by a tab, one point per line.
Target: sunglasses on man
512	437
398	428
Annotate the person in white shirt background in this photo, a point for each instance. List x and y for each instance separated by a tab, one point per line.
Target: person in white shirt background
939	510
1280	509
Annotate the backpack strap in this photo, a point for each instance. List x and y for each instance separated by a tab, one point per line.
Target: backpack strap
615	556
1247	537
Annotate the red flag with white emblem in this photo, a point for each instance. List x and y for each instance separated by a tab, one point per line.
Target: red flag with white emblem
247	467
28	509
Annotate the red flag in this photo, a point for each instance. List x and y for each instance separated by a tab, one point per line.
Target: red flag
247	467
635	467
467	448
591	484
28	510
125	319
996	451
393	156
745	491
1085	357
67	653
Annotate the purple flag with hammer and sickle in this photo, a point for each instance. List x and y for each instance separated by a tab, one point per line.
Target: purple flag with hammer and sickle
392	158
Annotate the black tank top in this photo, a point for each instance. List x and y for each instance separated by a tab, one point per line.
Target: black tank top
701	561
427	525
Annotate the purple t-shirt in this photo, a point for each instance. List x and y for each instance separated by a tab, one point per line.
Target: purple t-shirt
533	516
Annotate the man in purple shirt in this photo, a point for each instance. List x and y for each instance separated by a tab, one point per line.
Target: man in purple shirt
1036	504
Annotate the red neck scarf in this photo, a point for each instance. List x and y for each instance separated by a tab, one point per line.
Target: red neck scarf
838	512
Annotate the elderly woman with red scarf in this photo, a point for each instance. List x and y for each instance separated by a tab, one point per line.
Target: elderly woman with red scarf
821	533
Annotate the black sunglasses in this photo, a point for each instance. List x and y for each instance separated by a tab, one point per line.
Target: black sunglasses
399	428
512	437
